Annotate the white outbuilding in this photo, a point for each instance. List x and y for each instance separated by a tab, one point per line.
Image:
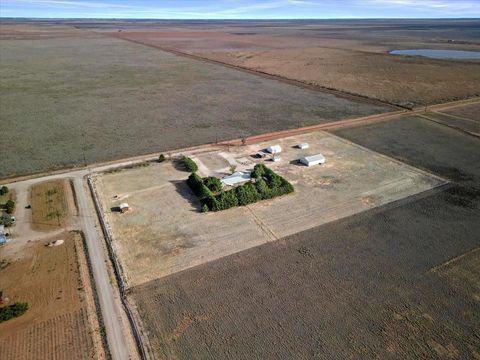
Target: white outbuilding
124	207
274	149
276	158
303	146
313	160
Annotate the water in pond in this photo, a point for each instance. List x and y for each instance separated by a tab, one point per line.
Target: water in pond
440	54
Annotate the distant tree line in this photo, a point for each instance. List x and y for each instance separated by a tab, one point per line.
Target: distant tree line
266	184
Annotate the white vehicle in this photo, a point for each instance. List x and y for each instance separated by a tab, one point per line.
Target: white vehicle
13	219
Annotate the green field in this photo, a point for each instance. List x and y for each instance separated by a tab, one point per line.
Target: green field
66	97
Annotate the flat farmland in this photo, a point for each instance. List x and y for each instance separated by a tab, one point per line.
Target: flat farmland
164	231
71	99
61	320
396	282
349	56
470	112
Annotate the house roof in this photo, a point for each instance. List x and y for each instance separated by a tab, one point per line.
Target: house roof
236	178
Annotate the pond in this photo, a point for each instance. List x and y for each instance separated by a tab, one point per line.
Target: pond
440	54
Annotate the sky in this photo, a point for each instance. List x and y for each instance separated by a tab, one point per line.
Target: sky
240	9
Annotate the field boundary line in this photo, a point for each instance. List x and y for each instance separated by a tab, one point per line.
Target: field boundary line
144	349
426	117
452	260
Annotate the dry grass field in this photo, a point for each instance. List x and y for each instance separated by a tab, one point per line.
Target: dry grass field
83	97
164	232
350	56
52	203
397	282
61	321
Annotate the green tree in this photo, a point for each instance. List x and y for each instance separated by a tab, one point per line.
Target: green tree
6	220
189	164
247	194
12	311
213	183
10	206
161	158
4	190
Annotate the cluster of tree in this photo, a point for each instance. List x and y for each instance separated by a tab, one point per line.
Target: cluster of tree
10	206
3	190
12	311
161	158
267	185
189	164
6	220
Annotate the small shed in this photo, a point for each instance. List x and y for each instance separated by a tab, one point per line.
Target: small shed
236	178
124	207
313	160
274	149
276	158
303	146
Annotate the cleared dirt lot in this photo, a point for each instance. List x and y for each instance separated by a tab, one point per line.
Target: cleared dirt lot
165	232
67	100
396	282
61	321
52	202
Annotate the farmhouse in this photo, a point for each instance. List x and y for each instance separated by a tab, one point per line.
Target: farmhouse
236	178
313	160
274	149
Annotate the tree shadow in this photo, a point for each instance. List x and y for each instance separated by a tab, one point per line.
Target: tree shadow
179	165
184	190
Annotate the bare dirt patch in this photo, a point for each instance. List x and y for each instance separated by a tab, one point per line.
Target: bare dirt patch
59	321
52	204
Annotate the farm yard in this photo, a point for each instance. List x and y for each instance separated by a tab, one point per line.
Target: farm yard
164	231
406	273
86	98
55	282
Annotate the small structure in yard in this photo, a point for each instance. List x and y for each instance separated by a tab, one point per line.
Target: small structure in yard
124	207
313	160
274	149
55	243
236	178
303	146
276	158
3	239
